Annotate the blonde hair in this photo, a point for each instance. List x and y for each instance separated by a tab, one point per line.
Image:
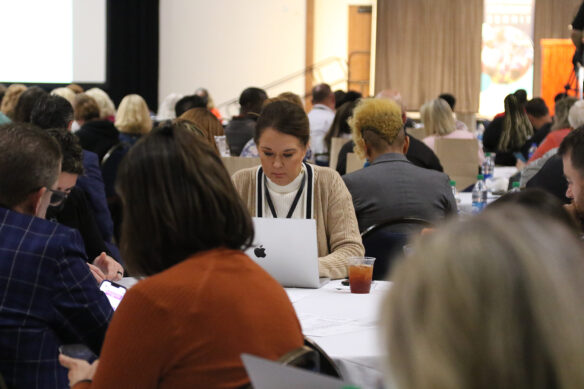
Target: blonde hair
65	93
206	122
133	115
476	307
10	99
562	110
437	118
106	105
379	115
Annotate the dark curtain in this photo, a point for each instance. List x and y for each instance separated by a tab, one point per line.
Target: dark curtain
132	49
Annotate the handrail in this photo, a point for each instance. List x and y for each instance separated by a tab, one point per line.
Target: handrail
343	65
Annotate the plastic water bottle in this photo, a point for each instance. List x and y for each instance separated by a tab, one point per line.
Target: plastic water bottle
479	195
488	166
515	187
531	150
454	191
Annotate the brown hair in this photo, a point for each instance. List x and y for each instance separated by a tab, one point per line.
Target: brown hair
474	306
285	117
71	150
29	160
516	126
206	122
291	97
85	107
179	200
76	88
10	99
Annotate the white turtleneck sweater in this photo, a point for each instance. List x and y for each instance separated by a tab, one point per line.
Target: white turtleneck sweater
283	196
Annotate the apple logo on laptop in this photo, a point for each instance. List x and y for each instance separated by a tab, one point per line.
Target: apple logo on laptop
260	252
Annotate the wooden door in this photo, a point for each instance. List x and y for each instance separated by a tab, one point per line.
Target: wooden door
359	48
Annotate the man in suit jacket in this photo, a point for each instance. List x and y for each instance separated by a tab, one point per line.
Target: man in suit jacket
49	295
392	186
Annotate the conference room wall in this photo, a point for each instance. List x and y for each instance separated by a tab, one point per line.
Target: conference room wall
228	45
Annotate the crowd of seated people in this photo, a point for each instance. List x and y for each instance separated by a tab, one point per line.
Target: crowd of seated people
89	193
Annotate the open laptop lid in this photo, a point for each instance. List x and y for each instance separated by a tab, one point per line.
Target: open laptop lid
265	374
287	250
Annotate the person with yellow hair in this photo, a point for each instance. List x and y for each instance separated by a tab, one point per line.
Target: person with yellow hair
392	187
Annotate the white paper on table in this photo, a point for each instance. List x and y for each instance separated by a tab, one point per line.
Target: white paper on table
313	325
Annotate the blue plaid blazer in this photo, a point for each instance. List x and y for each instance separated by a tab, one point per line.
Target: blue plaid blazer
48	297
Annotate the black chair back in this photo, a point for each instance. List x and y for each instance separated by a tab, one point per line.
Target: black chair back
385	242
326	365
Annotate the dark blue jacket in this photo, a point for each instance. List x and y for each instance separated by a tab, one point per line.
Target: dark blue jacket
49	298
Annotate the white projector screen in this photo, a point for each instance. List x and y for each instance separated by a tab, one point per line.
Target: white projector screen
57	41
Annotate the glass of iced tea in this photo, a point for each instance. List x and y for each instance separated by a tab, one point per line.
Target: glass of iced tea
360	274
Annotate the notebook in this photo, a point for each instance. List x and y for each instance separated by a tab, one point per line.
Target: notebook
265	374
287	250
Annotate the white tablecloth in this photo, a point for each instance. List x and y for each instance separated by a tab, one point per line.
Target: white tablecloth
345	326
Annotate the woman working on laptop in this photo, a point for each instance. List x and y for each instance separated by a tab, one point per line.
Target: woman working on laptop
284	186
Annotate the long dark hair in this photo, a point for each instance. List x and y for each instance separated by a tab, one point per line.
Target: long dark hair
516	126
178	200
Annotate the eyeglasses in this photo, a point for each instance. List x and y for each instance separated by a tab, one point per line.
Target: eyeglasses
57	197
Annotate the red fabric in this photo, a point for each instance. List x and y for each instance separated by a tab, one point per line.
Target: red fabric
551	141
217	114
187	326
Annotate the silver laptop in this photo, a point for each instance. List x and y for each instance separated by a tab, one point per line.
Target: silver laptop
265	374
287	250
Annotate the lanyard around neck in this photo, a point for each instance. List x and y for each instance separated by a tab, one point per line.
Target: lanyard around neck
294	203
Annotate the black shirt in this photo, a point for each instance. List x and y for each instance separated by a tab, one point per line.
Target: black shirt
98	136
76	213
578	22
238	132
419	154
491	138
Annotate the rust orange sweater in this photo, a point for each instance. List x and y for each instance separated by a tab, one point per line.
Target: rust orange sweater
187	326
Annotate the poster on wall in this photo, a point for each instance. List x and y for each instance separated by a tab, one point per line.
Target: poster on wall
507	52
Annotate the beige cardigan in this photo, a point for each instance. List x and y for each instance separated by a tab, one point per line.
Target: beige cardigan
336	224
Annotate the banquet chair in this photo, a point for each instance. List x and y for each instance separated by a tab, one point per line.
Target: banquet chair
308	357
460	160
385	241
235	164
303	357
326	365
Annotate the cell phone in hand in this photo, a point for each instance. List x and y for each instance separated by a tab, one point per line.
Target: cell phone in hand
79	351
114	292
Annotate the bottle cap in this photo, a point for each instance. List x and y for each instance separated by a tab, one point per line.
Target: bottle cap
515	184
452	183
487	154
480	177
